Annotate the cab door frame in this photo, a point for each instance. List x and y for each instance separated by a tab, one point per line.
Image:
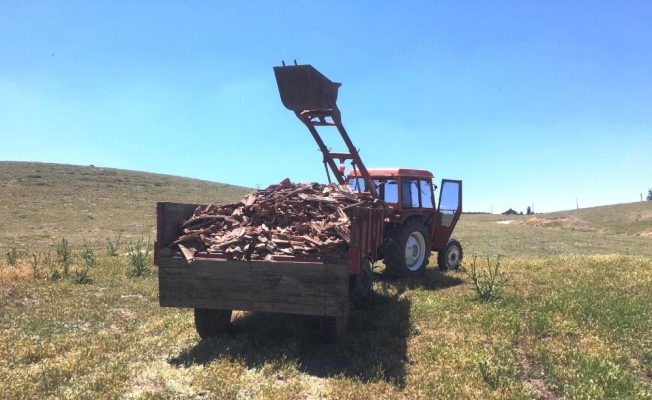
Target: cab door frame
447	213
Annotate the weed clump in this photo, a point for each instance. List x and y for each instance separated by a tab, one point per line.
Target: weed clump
13	255
487	283
138	253
89	257
64	255
112	247
492	373
36	260
53	267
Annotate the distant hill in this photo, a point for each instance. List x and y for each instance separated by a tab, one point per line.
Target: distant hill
40	203
629	219
613	229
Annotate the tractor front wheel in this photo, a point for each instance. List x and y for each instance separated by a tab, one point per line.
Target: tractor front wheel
409	250
451	256
210	322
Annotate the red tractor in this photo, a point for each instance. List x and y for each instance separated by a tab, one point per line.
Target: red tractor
417	224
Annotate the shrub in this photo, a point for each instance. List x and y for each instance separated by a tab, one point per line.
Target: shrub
36	259
13	255
89	257
52	266
138	253
64	255
113	247
487	283
492	371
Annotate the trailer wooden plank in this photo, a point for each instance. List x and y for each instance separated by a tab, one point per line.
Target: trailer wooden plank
222	268
170	282
167	230
304	309
299	288
192	291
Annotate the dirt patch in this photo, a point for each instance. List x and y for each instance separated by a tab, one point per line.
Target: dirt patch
547	221
109	330
534	378
145	385
565	222
647	234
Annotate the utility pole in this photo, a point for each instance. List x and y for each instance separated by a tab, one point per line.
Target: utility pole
577	205
641	197
492	209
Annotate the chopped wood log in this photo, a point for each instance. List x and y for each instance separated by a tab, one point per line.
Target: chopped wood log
285	219
187	253
344	233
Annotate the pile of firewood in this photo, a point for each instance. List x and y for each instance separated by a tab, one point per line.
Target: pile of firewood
305	219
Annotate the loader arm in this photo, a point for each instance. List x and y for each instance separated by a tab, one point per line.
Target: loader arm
313	98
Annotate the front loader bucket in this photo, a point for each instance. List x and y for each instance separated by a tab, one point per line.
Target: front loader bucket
302	87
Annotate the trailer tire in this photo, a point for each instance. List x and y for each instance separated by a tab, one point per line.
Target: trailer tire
333	329
409	250
361	284
451	256
210	322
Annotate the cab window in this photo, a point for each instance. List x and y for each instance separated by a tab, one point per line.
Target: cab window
409	192
391	191
426	194
357	184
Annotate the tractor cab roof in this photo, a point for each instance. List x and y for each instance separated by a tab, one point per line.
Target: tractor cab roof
388	172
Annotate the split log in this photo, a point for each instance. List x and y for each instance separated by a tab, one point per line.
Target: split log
284	219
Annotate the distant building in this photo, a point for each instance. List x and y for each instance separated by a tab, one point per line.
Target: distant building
510	212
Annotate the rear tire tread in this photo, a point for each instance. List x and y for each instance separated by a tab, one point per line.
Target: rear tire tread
333	329
211	322
395	254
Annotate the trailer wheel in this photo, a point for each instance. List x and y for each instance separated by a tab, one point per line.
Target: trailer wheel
210	322
408	253
333	329
361	284
451	256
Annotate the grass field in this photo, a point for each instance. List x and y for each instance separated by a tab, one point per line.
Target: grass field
573	319
41	203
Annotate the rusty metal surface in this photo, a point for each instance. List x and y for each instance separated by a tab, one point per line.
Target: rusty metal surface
367	229
302	87
313	98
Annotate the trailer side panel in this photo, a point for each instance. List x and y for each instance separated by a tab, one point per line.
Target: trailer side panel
297	288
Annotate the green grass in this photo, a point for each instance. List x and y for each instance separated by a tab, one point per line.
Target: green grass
573	321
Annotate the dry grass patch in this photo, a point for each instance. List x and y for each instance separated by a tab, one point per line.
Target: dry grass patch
571	323
564	327
41	203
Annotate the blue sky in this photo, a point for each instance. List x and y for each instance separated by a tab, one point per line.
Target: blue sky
528	102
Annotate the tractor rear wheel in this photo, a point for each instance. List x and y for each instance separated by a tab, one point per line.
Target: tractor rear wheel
451	256
210	322
408	253
333	329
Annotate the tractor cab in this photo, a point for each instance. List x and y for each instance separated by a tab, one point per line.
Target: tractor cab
410	193
403	189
